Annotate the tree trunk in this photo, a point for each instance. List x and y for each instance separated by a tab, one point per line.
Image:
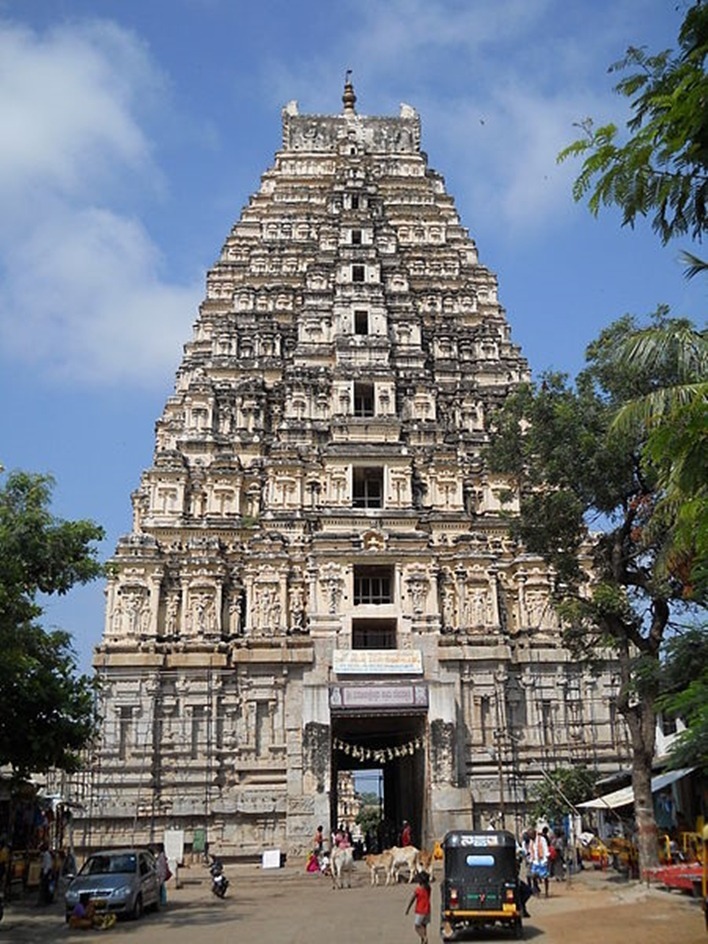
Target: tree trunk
642	758
636	702
640	715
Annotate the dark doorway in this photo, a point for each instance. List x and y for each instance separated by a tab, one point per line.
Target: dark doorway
395	744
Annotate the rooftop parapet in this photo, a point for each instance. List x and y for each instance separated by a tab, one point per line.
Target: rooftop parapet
368	134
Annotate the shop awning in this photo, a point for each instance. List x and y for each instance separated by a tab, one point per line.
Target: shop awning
625	796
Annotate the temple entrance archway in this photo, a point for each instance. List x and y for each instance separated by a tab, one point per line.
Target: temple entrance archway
395	743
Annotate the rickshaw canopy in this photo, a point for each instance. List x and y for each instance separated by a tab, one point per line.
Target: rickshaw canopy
488	856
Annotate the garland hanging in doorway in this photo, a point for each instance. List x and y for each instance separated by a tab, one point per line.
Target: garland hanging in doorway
380	755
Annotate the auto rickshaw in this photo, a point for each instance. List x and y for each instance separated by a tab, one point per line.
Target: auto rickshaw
480	886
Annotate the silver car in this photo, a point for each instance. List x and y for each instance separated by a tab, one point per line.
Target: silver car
120	881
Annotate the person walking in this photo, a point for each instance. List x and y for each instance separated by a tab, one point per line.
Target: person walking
421	899
524	887
538	849
557	856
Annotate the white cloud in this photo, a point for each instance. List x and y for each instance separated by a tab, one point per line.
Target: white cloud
407	29
405	45
82	295
65	107
83	287
504	154
91	306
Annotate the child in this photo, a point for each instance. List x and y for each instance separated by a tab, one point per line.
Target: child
83	914
85	917
421	899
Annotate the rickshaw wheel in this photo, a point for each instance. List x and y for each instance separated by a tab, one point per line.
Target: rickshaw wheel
518	929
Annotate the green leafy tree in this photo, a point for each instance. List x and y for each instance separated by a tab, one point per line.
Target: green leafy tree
560	792
591	506
675	418
684	685
654	541
369	815
661	166
48	712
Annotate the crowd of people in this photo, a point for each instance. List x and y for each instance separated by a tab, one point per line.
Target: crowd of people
318	858
375	840
54	865
542	856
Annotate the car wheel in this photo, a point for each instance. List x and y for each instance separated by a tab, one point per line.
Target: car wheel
137	908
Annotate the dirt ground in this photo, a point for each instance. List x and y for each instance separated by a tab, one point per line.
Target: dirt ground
288	906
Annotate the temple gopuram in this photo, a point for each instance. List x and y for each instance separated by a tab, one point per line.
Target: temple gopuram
320	577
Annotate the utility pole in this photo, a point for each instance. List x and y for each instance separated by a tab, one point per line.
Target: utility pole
500	771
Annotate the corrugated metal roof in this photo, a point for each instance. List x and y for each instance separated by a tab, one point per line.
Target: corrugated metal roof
625	796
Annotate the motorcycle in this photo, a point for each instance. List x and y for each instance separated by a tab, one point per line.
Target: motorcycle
219	882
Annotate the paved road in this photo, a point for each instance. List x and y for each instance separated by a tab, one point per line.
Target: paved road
287	906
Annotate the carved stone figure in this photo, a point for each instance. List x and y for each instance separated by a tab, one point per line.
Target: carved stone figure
236	612
478	609
133	607
171	615
297	609
449	604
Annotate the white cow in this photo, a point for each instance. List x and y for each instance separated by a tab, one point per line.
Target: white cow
342	862
404	857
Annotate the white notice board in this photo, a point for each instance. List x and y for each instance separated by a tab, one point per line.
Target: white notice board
174	846
270	859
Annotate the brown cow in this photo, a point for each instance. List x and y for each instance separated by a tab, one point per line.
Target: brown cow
426	862
379	863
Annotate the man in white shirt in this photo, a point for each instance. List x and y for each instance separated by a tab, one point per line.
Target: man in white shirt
538	857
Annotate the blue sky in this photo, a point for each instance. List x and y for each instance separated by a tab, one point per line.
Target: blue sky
134	132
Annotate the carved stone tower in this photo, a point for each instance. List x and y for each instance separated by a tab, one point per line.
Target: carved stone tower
319	576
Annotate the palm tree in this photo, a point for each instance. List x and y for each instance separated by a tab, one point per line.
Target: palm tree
674	418
694	265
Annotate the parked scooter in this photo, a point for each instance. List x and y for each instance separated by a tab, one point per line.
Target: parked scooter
219	882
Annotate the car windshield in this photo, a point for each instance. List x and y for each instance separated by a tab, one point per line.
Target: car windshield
109	864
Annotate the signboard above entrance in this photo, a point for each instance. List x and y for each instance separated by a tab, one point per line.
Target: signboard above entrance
377	662
395	696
